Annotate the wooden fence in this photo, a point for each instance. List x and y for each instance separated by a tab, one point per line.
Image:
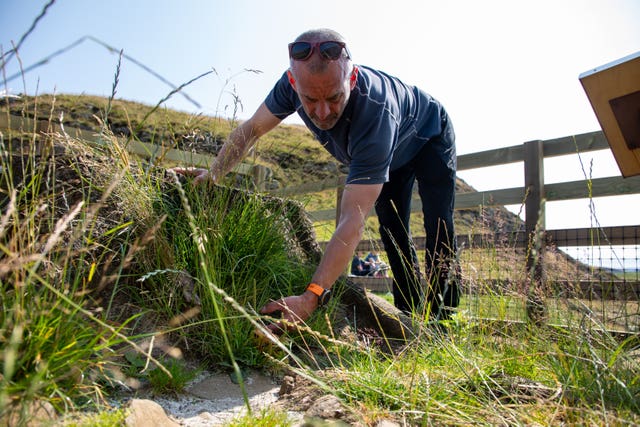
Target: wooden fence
532	154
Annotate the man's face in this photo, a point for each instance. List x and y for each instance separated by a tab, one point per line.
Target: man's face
324	95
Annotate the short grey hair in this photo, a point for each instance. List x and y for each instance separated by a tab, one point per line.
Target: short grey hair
320	34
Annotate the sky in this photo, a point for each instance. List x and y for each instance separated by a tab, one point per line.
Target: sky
506	70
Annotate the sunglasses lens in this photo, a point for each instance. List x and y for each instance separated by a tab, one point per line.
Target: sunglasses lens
300	50
331	50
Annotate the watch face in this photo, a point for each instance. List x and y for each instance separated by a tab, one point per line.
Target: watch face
324	298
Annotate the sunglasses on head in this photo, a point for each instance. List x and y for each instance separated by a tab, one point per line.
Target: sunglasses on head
331	50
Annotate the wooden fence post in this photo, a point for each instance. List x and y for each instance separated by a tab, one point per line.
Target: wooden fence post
339	191
259	174
535	229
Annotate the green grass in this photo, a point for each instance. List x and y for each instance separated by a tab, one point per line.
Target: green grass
267	417
56	249
173	381
100	419
479	375
629	275
246	253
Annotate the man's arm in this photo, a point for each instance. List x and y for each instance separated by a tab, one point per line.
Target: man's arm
235	147
357	201
241	140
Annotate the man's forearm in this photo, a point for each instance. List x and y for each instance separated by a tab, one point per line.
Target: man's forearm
357	201
233	151
337	254
241	140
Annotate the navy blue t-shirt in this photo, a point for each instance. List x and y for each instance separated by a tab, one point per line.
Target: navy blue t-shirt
384	124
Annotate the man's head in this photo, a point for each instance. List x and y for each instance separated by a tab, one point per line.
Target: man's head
322	74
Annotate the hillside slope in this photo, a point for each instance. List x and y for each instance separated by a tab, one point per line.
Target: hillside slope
289	150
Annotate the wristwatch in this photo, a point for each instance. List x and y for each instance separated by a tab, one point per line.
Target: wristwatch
322	293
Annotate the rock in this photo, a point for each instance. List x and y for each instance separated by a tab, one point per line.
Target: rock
147	413
287	386
38	413
326	407
226	388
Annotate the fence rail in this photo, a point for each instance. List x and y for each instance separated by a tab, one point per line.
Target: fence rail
598	187
580	237
613	290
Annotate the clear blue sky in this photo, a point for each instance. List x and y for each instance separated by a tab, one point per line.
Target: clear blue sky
506	70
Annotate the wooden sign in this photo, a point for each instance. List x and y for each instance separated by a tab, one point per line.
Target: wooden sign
614	92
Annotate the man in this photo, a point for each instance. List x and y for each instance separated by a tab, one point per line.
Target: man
391	135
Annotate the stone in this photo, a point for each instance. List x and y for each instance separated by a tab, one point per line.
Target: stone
147	413
326	407
37	413
287	386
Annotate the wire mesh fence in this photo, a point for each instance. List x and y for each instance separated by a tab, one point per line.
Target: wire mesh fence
591	277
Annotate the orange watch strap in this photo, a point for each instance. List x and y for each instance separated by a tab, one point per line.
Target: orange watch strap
316	289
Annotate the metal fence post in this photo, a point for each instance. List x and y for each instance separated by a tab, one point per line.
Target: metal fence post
535	229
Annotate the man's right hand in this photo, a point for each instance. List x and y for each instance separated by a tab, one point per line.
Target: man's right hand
294	309
201	175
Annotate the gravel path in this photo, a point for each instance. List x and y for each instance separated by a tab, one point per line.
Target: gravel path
213	399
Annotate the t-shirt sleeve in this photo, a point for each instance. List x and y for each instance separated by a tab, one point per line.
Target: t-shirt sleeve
282	101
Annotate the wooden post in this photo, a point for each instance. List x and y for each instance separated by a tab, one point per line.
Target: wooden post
339	192
535	229
259	173
41	129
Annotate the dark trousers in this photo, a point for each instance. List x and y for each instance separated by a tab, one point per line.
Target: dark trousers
434	169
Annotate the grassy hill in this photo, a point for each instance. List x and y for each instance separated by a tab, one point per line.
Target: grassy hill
290	151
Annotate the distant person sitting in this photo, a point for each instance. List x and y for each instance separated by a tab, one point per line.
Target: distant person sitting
373	258
377	266
359	267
